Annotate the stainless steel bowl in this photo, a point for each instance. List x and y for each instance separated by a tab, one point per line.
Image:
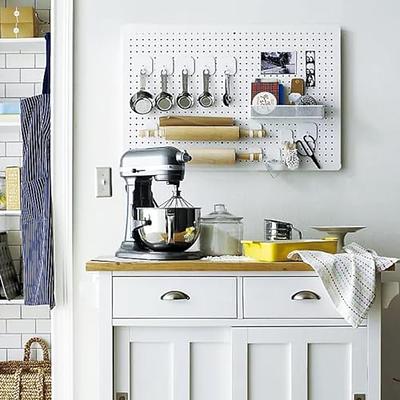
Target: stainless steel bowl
168	229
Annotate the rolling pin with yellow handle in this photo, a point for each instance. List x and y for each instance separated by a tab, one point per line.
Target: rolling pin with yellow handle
217	156
202	133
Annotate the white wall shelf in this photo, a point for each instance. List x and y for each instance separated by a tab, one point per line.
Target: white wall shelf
17	300
23	44
310	112
9	120
10	213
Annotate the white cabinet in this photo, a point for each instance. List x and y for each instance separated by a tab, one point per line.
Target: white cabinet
173	363
299	363
239	337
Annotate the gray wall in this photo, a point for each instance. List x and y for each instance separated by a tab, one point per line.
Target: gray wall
366	191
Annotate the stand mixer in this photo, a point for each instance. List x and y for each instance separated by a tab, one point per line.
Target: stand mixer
155	232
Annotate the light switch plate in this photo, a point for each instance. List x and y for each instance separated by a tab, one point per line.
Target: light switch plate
103	182
121	396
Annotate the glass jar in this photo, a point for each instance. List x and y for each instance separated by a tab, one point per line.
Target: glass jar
221	233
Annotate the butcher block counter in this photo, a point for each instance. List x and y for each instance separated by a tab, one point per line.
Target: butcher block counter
114	265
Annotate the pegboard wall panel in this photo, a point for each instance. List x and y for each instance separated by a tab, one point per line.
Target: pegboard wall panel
166	44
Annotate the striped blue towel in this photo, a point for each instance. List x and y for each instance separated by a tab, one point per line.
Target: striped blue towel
36	217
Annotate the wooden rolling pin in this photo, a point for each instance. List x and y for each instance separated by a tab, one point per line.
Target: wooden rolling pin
216	156
202	133
176	120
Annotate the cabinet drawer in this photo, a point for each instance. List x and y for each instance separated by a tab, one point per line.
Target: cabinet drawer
177	297
274	298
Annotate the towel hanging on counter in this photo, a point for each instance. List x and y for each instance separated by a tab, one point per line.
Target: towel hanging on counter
36	215
349	278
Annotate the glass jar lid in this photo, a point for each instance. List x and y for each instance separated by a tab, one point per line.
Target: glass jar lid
221	214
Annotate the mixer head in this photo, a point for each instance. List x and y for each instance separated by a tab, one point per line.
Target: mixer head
161	163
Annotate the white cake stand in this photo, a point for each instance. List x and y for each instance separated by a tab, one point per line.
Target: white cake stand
338	232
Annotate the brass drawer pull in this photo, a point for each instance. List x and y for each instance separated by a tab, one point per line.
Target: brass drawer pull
175	295
306	295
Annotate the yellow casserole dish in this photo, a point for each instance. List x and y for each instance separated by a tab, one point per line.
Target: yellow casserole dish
278	250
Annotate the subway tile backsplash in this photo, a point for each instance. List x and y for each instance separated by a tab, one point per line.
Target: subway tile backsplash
21	75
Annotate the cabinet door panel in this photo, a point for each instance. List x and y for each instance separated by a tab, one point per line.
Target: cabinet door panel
150	371
210	372
173	363
329	366
269	371
298	363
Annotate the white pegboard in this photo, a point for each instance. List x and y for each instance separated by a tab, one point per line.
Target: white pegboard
245	44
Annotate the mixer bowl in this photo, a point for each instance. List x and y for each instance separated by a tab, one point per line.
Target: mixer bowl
169	229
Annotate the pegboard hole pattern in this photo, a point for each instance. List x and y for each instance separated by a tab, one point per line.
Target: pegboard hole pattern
245	46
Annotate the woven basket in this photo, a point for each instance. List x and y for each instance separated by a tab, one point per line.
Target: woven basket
28	379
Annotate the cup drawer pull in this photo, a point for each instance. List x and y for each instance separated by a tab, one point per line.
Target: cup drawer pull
175	295
306	295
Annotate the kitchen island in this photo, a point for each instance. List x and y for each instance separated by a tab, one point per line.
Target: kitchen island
229	330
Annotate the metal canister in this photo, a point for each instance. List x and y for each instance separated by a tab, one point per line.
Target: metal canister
279	230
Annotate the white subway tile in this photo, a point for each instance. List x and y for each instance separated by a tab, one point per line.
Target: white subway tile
14	149
10	311
15	354
2	59
10	341
10	135
3	355
20	89
14	239
2	149
39	354
9	162
9	75
15	252
37	312
43	326
20	60
20	3
44	15
2	326
38	88
2	90
20	325
32	75
40	60
43	4
44	29
45	337
12	223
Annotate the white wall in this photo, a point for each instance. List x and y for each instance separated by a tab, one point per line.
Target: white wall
366	191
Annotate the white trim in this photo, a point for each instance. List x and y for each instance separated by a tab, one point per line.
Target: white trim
62	181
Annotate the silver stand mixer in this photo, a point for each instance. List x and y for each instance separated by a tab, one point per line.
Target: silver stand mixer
155	232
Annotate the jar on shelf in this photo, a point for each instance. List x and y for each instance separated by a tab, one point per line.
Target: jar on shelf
3	204
221	233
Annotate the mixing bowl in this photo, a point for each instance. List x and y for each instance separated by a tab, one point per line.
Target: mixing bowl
168	229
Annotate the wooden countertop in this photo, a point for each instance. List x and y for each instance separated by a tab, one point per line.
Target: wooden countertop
193	265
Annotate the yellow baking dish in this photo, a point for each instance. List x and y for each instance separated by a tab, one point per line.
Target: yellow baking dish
278	250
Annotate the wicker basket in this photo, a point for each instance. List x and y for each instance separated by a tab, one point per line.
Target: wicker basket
28	379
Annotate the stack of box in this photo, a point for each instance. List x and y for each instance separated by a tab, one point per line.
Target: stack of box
18	22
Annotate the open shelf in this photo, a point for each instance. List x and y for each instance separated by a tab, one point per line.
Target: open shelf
9	120
10	213
17	300
23	44
289	112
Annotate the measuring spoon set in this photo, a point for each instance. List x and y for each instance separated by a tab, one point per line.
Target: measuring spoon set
142	102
